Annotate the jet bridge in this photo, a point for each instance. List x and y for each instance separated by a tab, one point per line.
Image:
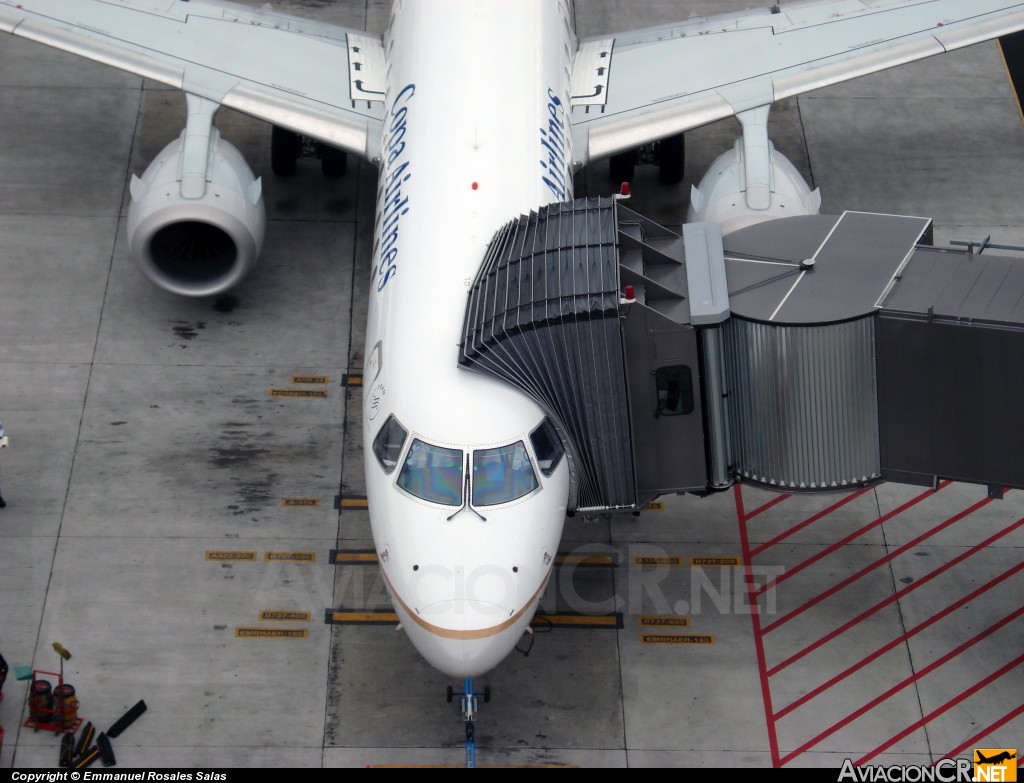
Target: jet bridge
811	354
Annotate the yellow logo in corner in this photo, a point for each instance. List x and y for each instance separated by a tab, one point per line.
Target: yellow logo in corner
995	764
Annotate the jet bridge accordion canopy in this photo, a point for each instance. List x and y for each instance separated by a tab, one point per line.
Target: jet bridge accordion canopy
543	315
618	375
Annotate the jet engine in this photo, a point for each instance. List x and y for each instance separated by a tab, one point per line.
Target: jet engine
197	218
722	196
752	182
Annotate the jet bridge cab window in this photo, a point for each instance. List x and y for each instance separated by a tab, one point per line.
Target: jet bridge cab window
502	475
433	473
675	390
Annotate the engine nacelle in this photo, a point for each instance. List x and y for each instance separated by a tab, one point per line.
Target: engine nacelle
197	235
722	196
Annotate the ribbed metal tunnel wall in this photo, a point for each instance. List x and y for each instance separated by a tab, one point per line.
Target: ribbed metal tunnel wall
802	403
543	316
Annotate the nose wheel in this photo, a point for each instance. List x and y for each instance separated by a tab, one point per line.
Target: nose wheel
469	701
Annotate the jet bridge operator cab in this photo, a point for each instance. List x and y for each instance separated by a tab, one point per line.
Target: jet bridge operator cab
805	354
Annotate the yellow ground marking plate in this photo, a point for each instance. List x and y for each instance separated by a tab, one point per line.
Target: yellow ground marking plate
289	615
291	557
676	638
317	393
673	621
649	560
300	502
245	557
271	633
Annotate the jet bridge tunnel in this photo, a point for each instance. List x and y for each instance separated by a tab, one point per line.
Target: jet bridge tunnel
807	354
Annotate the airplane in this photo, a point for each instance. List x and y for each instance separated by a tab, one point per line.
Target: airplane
474	113
996	759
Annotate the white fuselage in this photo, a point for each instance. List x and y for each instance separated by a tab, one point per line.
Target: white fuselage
475	134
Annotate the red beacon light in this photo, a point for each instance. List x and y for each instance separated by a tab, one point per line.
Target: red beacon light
628	295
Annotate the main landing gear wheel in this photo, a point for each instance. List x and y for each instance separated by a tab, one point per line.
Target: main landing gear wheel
285	146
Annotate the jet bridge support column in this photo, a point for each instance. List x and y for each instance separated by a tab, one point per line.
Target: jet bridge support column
709	309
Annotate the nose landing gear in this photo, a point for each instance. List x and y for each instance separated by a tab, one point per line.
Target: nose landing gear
469	701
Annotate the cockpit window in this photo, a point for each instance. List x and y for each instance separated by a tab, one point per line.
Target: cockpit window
433	473
501	475
547	446
388	444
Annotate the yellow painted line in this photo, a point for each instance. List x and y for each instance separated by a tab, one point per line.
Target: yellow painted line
579	619
355	557
291	557
311	379
602	560
364	617
274	614
656	505
242	556
318	393
656	621
675	638
716	561
300	502
271	633
354	503
642	560
352	380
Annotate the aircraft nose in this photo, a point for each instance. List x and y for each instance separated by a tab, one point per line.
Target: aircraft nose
465	638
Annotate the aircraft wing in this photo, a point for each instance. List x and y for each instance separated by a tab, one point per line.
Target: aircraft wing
255	61
646	85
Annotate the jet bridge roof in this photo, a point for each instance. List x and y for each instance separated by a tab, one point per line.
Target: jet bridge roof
818	268
960	286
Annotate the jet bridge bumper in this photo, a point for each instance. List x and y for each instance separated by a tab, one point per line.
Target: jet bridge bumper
800	355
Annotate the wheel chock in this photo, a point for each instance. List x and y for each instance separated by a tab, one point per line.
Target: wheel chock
87	758
126	720
67	750
106	750
85	739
